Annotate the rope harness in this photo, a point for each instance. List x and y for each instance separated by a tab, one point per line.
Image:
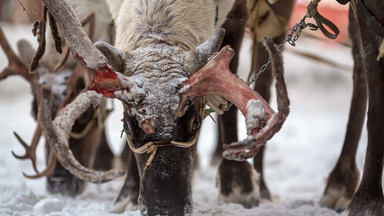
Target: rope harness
151	148
98	120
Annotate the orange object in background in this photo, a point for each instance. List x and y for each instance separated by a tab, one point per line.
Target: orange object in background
330	9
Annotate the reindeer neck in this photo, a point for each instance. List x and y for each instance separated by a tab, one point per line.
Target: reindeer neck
183	23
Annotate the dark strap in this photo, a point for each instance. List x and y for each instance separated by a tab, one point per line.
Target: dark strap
321	21
343	1
362	13
216	14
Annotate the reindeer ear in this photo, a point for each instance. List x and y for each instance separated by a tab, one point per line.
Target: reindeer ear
206	50
212	45
116	58
26	51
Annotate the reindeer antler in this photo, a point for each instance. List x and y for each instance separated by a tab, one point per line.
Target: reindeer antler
215	78
30	153
85	53
15	65
57	134
93	60
90	19
249	147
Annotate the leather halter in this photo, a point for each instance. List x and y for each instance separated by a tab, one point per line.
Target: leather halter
367	18
321	21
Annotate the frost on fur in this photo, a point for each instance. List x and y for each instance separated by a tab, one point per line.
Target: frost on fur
66	118
256	115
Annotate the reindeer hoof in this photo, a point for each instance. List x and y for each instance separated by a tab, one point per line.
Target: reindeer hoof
238	183
341	186
123	205
335	199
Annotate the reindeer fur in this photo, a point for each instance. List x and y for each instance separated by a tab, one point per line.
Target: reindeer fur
139	23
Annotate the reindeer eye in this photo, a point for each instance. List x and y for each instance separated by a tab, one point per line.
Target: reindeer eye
125	127
196	124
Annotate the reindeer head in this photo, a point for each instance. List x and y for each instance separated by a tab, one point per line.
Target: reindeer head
162	89
66	79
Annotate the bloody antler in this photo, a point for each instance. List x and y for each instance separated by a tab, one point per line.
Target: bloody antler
91	29
262	122
57	133
105	82
238	151
215	78
83	49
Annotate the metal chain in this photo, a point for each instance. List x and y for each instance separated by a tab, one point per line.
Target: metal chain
291	39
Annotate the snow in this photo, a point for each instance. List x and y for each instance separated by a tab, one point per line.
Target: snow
297	162
57	79
46	206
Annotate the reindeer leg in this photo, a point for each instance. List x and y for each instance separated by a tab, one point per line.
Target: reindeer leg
248	148
344	178
104	158
369	199
263	85
129	193
234	31
235	175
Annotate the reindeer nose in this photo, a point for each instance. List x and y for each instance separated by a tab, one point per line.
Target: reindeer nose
147	126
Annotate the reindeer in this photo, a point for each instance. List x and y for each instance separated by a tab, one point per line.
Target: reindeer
343	190
265	13
162	66
67	79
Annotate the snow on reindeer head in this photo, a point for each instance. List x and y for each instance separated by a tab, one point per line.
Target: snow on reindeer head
156	70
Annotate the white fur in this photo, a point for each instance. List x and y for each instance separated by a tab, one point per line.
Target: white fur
114	7
158	38
139	21
255	114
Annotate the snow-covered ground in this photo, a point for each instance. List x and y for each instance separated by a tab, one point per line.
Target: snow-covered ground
297	161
